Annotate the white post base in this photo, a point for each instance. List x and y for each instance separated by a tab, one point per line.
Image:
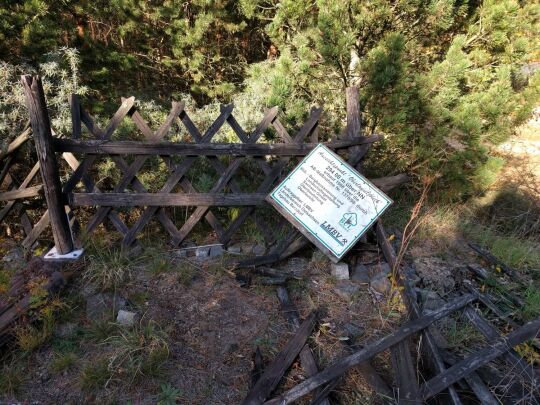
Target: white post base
54	255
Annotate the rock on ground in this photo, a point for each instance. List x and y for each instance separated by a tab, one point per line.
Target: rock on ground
126	318
340	270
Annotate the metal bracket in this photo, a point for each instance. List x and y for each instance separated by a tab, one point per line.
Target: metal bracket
54	255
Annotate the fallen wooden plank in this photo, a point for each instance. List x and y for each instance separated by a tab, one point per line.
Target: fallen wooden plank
474	381
341	366
258	367
101	147
491	334
274	372
405	374
494	260
306	356
410	298
479	358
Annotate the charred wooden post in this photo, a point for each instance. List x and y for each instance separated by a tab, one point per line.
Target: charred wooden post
41	128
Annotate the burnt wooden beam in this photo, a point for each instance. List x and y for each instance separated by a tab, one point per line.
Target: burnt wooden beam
482	392
491	334
258	367
479	358
98	147
410	298
405	374
275	370
390	182
494	260
341	366
306	355
50	176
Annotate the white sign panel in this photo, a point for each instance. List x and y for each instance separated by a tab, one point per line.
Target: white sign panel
329	202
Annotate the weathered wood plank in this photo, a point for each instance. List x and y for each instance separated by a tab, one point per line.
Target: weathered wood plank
50	176
341	366
38	229
179	172
491	334
98	147
306	355
76	123
479	358
410	299
16	143
24	193
275	370
494	260
482	392
405	374
162	199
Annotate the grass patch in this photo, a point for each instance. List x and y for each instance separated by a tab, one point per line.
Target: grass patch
531	309
30	337
186	273
461	333
11	378
132	354
62	362
107	268
168	395
95	374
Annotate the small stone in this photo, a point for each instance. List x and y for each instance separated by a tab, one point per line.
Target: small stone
360	274
380	284
346	290
15	255
259	250
380	268
216	251
126	318
352	330
235	249
181	253
202	252
340	270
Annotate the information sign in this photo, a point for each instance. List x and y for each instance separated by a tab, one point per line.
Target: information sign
329	201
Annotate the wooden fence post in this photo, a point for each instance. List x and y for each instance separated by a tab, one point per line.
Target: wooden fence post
41	128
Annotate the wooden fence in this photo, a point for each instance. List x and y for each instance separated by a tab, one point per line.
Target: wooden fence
232	162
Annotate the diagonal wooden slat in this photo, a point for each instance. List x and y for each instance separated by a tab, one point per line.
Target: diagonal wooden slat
220	168
226	176
114	122
29	177
175	177
186	185
481	357
271	177
139	162
341	366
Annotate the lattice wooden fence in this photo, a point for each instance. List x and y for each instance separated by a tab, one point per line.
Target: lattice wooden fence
234	163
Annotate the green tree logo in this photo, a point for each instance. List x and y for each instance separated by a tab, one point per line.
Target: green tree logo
348	220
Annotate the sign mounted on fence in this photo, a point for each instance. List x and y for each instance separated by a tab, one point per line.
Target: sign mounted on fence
329	202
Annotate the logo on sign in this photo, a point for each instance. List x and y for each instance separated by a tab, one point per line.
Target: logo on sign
348	220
